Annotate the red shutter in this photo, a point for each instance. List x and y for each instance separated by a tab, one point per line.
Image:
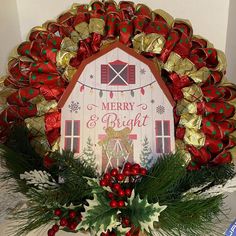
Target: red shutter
131	77
104	74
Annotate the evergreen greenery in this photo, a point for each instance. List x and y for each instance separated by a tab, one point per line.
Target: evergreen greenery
166	184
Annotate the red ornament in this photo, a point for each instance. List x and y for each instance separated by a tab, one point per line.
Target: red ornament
103	182
142	91
63	222
116	187
121	193
57	212
72	214
51	232
114	172
128	192
55	228
113	204
120	177
121	203
111	94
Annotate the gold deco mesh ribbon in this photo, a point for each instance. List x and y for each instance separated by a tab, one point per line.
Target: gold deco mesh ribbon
194	137
36	125
192	93
40	145
191	121
185	107
97	26
181	148
148	42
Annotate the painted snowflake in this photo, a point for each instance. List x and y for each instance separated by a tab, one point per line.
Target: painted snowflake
74	107
160	109
142	71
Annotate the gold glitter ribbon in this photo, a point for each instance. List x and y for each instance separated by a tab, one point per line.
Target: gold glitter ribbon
181	148
200	76
97	26
69	45
69	73
149	42
45	107
166	16
36	125
222	62
185	107
64	57
83	30
192	93
191	121
194	137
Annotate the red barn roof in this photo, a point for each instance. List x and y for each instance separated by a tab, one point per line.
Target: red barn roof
155	71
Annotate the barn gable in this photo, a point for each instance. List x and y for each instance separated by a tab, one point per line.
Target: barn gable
117	89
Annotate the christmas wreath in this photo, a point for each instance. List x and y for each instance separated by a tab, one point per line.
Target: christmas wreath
178	194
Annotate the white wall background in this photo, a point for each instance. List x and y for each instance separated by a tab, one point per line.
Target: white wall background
10	34
212	19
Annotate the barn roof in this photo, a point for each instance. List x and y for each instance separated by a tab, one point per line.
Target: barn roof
154	69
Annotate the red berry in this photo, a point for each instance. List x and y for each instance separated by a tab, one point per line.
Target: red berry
121	203
126	172
112	233
126	222
79	217
103	182
73	225
113	204
128	192
107	176
114	172
135	171
57	212
55	228
51	232
72	214
143	171
116	187
128	165
128	233
110	195
136	166
121	193
120	177
63	222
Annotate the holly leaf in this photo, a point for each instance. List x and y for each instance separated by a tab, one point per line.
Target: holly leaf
99	215
143	214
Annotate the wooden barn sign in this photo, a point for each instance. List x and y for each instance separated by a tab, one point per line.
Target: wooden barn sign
117	108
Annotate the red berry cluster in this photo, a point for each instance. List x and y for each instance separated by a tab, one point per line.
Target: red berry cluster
68	219
122	183
122	189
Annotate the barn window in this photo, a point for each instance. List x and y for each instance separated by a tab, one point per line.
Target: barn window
163	139
72	135
118	73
